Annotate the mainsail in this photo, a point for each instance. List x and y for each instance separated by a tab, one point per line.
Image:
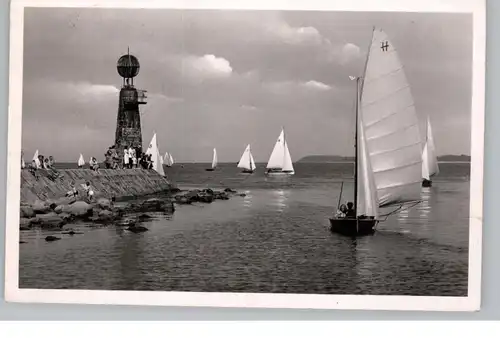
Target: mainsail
389	137
214	159
155	156
246	160
429	160
280	157
81	161
171	159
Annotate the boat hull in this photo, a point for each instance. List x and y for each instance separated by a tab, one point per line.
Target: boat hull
209	169
279	172
353	227
426	183
246	171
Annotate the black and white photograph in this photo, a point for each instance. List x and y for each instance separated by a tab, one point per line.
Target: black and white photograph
264	154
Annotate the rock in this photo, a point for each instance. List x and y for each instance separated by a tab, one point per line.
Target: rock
174	190
105	216
72	232
243	195
182	200
52	238
27	211
104	203
208	191
221	195
137	229
143	217
152	205
24	223
48	221
59	209
40	207
230	190
79	209
205	198
126	222
66	217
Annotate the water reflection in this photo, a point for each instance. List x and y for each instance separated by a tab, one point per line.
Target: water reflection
281	198
247	200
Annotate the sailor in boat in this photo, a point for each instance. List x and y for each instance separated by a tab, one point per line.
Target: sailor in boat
341	213
350	212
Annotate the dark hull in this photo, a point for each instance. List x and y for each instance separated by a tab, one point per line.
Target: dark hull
353	227
209	169
245	171
426	183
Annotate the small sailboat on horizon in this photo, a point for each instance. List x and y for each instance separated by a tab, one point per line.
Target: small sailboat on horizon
81	161
388	147
430	165
280	161
214	161
247	162
168	159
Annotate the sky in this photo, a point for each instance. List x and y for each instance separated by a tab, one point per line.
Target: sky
226	79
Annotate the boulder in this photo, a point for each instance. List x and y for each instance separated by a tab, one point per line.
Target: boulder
104	204
49	221
229	190
205	198
24	223
221	195
40	207
66	217
105	216
52	238
27	211
59	209
243	195
143	217
182	200
137	229
152	205
79	209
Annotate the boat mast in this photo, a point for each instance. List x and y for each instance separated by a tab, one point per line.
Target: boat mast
356	151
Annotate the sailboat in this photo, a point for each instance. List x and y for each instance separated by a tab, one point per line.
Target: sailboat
37	160
246	161
81	161
155	156
429	159
168	159
388	145
280	161
214	162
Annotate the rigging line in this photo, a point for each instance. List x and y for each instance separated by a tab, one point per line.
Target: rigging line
399	209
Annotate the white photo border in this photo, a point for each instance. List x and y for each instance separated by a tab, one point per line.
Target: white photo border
251	300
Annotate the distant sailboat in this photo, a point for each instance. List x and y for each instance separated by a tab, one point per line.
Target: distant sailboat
214	162
168	159
246	161
429	159
155	156
23	164
388	145
81	161
36	159
280	161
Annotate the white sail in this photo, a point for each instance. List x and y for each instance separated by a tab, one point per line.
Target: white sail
155	156
276	158
367	201
390	125
171	159
214	160
430	165
246	160
280	157
81	161
36	159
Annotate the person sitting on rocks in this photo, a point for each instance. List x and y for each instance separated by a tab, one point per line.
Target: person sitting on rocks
89	191
33	169
93	164
73	192
150	161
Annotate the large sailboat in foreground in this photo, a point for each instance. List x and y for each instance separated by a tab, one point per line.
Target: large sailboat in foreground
429	159
388	157
280	161
247	162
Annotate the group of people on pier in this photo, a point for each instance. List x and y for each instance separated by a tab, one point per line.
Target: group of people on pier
133	157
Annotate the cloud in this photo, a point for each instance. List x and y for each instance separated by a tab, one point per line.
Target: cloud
316	85
349	52
207	66
295	35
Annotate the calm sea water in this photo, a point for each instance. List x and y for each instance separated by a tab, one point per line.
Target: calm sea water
275	239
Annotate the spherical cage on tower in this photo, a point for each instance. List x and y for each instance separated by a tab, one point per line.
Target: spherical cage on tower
128	66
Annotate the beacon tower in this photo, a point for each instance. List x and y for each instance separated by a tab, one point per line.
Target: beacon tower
128	122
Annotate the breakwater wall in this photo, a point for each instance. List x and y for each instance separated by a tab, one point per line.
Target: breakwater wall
118	183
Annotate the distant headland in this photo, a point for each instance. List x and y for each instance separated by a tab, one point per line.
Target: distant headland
336	158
